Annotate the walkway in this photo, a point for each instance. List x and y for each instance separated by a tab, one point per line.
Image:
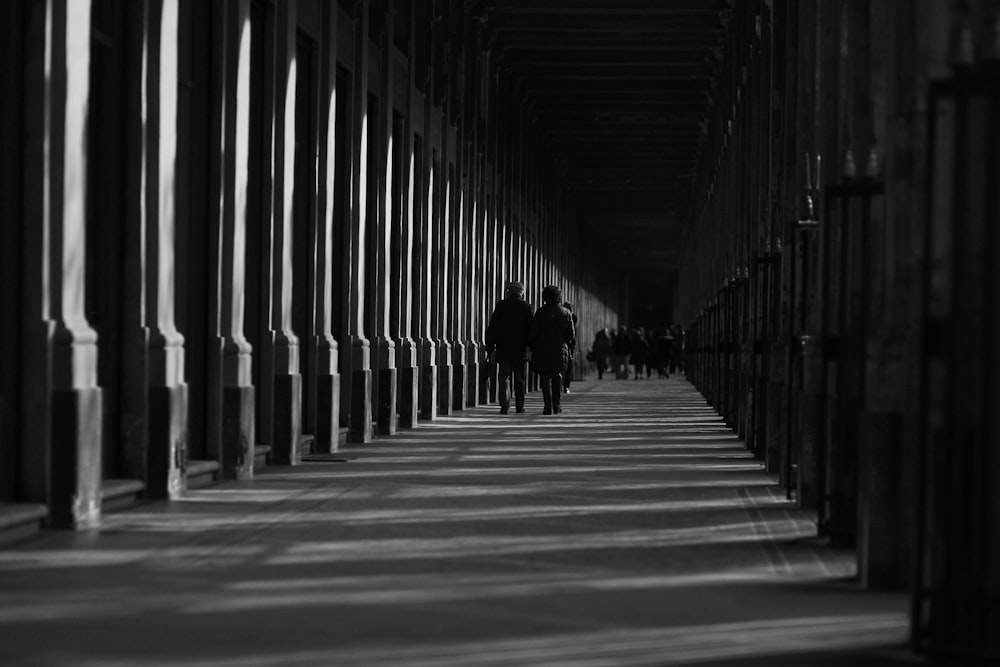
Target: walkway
631	530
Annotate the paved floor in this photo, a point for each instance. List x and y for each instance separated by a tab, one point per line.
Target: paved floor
631	530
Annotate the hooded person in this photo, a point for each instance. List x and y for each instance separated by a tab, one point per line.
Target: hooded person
507	344
551	333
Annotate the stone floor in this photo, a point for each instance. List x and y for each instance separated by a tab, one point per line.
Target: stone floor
633	529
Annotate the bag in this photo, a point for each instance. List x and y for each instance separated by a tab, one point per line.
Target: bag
591	356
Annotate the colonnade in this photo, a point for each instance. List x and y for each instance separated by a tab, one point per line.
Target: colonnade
243	231
837	294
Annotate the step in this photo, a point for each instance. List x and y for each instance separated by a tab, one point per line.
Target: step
261	454
118	494
20	520
202	473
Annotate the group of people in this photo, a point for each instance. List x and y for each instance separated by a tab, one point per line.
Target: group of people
546	338
658	351
518	334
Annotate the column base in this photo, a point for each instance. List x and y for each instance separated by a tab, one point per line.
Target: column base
773	457
472	383
327	436
237	432
427	397
407	397
75	493
458	387
360	429
167	459
387	419
882	564
287	420
445	384
471	374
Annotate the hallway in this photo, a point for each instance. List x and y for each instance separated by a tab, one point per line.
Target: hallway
632	529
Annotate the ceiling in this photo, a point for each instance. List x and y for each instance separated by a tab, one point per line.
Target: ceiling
622	91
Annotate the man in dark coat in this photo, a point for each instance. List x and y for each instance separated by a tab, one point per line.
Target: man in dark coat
549	338
507	343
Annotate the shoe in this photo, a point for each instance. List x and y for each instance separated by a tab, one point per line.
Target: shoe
557	411
504	411
520	410
566	390
547	411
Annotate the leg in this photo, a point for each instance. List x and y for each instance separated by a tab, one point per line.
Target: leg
557	385
503	385
519	386
546	381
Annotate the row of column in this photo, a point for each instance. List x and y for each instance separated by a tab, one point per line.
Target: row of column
250	230
837	294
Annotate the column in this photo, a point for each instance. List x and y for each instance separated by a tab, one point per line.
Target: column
327	352
408	376
442	240
61	435
428	385
286	352
385	348
168	408
357	364
236	450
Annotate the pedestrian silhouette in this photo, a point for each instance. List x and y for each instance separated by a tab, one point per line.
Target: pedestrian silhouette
507	343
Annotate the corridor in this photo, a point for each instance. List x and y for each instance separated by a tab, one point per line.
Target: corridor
634	529
250	253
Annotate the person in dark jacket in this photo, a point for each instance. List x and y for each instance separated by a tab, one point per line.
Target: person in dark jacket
638	351
507	344
549	339
602	351
620	348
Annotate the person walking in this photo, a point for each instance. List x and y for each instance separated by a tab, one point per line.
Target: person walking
620	348
638	350
549	338
568	375
602	350
507	343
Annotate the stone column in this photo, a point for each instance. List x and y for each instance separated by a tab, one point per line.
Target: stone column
357	365
167	408
327	353
385	348
408	376
442	237
12	52
236	453
287	406
424	227
456	283
61	403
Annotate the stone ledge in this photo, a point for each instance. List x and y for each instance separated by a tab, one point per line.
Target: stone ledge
201	473
20	520
260	455
120	493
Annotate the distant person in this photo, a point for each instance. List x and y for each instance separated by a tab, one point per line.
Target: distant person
620	347
551	333
602	351
568	375
638	351
507	344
